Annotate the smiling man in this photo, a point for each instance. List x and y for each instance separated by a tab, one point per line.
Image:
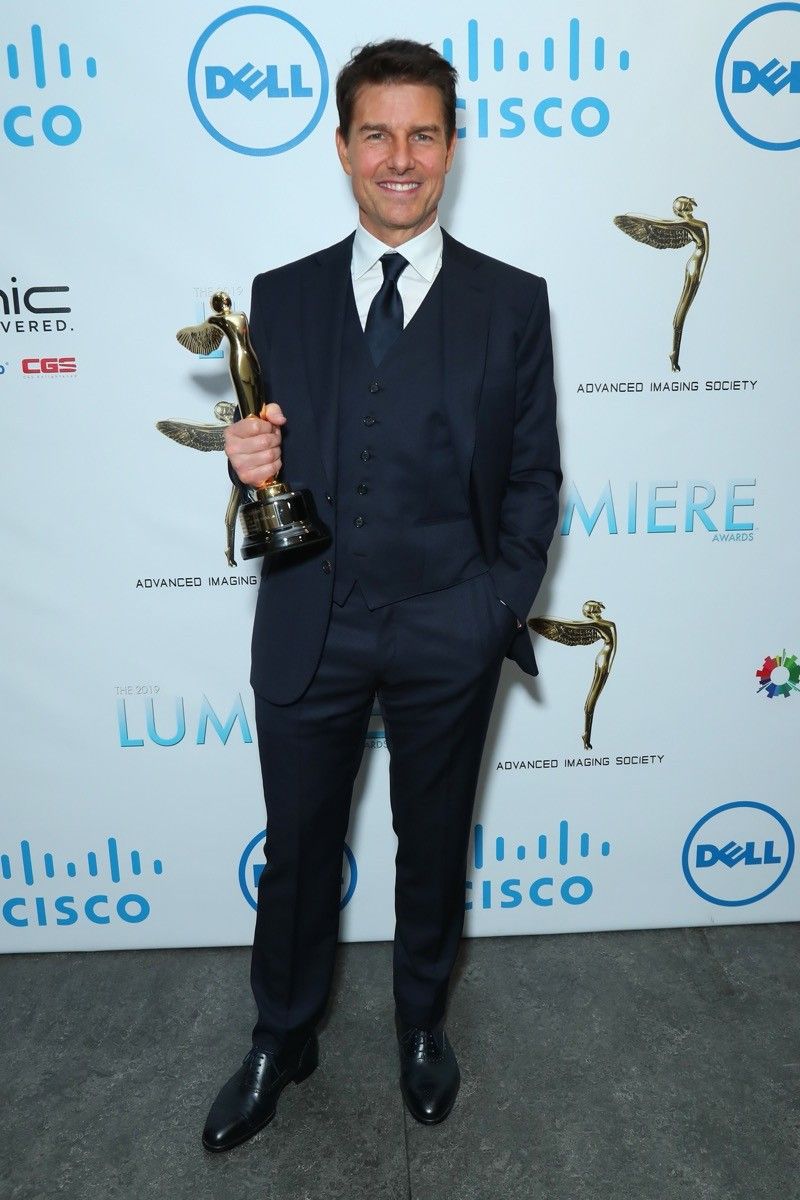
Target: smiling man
411	386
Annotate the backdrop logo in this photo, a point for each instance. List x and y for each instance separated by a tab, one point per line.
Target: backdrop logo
258	82
65	365
758	77
137	721
252	863
543	890
32	309
663	506
549	64
59	124
779	675
584	633
23	867
738	853
376	733
670	233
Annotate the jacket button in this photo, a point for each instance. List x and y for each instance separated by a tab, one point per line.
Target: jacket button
365	456
326	566
374	386
358	522
368	419
362	489
329	497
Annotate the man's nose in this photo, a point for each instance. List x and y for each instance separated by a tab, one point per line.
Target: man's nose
400	158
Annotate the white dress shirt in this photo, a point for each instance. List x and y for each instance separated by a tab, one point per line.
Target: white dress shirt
424	255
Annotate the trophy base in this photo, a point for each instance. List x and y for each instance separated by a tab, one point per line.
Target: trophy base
280	520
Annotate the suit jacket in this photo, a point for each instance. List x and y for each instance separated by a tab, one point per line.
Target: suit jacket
500	406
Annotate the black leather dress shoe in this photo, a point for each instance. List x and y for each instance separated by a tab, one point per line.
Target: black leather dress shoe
429	1075
248	1100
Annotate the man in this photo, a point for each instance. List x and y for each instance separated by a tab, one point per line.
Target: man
411	390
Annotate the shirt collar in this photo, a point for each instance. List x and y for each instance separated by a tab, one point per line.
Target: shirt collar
423	252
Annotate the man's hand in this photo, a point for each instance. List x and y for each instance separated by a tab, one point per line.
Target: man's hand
253	446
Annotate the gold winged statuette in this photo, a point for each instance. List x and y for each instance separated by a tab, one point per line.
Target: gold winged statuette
671	234
583	633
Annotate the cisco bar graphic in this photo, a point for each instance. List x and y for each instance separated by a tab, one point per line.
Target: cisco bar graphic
549	57
95	864
38	60
543	847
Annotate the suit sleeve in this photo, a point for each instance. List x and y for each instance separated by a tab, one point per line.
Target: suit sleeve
529	509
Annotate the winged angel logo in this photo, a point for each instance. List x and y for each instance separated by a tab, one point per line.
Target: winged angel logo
584	633
671	234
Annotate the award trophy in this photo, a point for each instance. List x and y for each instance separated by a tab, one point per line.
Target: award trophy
275	518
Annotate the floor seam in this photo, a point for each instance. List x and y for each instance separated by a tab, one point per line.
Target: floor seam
405	1143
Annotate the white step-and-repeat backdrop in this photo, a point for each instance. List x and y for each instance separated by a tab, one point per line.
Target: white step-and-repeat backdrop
644	159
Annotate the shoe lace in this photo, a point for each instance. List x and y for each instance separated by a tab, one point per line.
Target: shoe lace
254	1062
423	1044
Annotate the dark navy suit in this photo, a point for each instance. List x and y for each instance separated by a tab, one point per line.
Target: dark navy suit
438	472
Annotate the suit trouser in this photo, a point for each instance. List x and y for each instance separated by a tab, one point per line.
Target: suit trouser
434	662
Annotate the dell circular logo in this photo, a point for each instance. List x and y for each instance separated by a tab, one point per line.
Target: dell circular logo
258	82
251	865
758	77
738	853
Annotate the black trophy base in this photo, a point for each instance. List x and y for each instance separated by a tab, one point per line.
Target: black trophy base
280	521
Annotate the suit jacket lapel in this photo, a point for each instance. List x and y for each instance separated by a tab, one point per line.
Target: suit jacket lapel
324	303
467	310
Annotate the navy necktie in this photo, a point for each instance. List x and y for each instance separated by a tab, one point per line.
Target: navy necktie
385	317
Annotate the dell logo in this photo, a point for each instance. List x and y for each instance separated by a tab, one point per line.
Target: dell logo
262	55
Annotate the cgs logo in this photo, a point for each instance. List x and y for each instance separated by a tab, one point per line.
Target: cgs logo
258	81
60	124
758	77
49	366
738	853
251	866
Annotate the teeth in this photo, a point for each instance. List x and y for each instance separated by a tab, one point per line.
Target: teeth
400	187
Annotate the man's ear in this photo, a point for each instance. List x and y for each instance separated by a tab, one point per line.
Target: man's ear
341	150
451	149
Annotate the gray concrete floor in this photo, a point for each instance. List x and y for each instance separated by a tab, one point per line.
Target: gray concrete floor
644	1065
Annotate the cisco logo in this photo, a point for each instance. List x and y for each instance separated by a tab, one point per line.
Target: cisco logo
58	124
738	853
663	506
91	871
252	863
544	74
544	884
758	77
258	82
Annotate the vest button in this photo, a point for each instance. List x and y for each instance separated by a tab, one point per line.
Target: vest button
365	456
326	566
358	522
374	387
362	489
368	419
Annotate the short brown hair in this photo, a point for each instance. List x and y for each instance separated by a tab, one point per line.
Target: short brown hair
396	61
